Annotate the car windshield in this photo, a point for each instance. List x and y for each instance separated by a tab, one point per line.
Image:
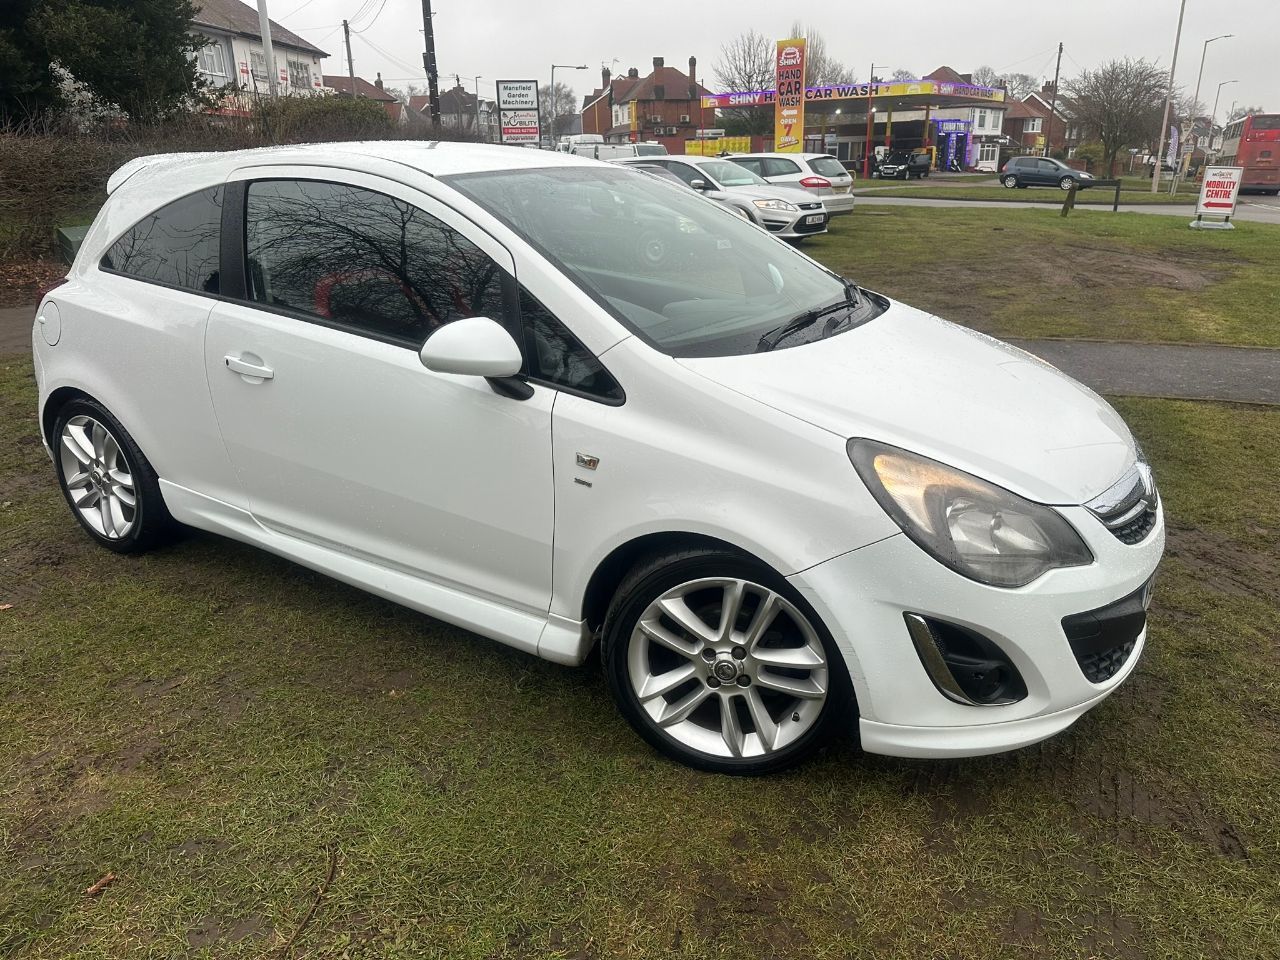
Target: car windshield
827	167
896	158
729	174
688	277
650	150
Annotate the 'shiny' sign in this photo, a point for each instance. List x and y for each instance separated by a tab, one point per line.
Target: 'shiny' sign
1219	190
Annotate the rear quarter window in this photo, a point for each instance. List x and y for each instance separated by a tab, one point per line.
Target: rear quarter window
177	245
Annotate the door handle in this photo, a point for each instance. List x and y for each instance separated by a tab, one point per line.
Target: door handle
247	369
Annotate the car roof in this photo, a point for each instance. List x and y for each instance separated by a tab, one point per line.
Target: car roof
783	156
432	157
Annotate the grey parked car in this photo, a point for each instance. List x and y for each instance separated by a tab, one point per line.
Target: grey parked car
1022	172
785	211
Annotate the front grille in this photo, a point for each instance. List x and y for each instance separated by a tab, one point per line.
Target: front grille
810	206
1128	507
1136	530
803	227
1101	667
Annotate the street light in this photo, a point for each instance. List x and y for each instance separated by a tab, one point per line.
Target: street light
552	94
1168	99
1195	99
871	111
1214	119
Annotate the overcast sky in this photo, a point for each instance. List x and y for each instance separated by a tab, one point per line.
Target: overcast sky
519	39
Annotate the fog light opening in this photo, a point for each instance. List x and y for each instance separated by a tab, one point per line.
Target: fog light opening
965	666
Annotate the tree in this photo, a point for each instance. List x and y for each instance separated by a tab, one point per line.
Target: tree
1021	85
563	105
984	76
1239	112
746	63
904	75
1120	104
136	55
821	68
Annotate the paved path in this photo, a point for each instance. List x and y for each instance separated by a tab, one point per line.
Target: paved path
1142	369
1258	209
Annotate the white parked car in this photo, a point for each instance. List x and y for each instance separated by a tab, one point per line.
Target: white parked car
819	173
783	505
785	211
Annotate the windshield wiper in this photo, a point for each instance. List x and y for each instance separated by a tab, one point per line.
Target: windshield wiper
773	337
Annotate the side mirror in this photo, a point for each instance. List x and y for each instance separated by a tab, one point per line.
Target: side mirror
698	184
476	346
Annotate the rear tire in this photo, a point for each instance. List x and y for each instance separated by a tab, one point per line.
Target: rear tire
752	696
108	483
1010	182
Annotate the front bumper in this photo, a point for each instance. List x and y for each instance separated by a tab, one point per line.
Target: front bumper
792	225
862	598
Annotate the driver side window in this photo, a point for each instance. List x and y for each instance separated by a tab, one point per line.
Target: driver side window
686	172
363	261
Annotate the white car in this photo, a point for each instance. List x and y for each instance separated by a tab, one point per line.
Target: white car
785	211
783	505
819	173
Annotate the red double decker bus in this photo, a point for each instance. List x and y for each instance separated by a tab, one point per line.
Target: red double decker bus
1253	142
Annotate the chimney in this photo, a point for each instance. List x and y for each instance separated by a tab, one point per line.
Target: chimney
604	78
657	63
693	78
633	74
378	83
1047	87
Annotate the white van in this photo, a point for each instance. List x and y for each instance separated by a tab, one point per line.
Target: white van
616	151
566	144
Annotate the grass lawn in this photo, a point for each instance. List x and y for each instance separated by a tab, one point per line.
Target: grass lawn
273	764
1095	195
1032	273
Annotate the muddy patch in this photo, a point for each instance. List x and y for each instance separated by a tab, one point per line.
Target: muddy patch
1223	565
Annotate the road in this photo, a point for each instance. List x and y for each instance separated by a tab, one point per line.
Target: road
1252	208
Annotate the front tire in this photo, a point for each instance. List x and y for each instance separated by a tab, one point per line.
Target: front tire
719	663
1066	183
108	483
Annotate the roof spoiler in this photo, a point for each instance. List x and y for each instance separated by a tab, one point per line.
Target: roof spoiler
127	171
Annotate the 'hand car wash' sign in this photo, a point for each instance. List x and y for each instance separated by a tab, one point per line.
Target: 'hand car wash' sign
788	108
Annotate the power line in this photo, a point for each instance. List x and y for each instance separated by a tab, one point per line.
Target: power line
302	6
1051	51
374	20
394	59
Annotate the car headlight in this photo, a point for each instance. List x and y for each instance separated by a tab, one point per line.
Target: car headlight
776	205
979	530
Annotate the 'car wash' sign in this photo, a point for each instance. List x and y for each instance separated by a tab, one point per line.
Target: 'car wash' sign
788	104
518	111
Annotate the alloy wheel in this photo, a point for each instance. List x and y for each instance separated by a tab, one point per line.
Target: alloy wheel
728	667
98	477
1010	182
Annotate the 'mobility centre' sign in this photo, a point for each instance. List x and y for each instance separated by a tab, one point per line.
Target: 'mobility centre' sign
1218	194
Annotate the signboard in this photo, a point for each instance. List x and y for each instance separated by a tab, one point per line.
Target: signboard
859	91
518	111
1218	191
520	126
788	110
1172	154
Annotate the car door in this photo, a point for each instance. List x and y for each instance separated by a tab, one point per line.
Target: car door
338	433
754	164
1046	173
780	170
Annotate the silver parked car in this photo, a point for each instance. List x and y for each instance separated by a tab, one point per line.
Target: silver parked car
785	211
819	173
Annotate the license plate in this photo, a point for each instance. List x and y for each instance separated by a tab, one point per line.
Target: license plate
814	218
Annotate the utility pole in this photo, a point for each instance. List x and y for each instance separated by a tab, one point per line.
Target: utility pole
871	114
479	133
429	62
268	51
351	67
1053	103
1168	100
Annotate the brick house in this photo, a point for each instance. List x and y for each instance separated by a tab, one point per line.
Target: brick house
1026	124
341	85
664	107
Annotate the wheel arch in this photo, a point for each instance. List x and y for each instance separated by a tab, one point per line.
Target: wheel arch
610	571
56	400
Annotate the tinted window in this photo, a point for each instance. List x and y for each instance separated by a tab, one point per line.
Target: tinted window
177	245
687	173
1260	122
777	167
827	167
650	150
364	260
555	355
755	165
1047	166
